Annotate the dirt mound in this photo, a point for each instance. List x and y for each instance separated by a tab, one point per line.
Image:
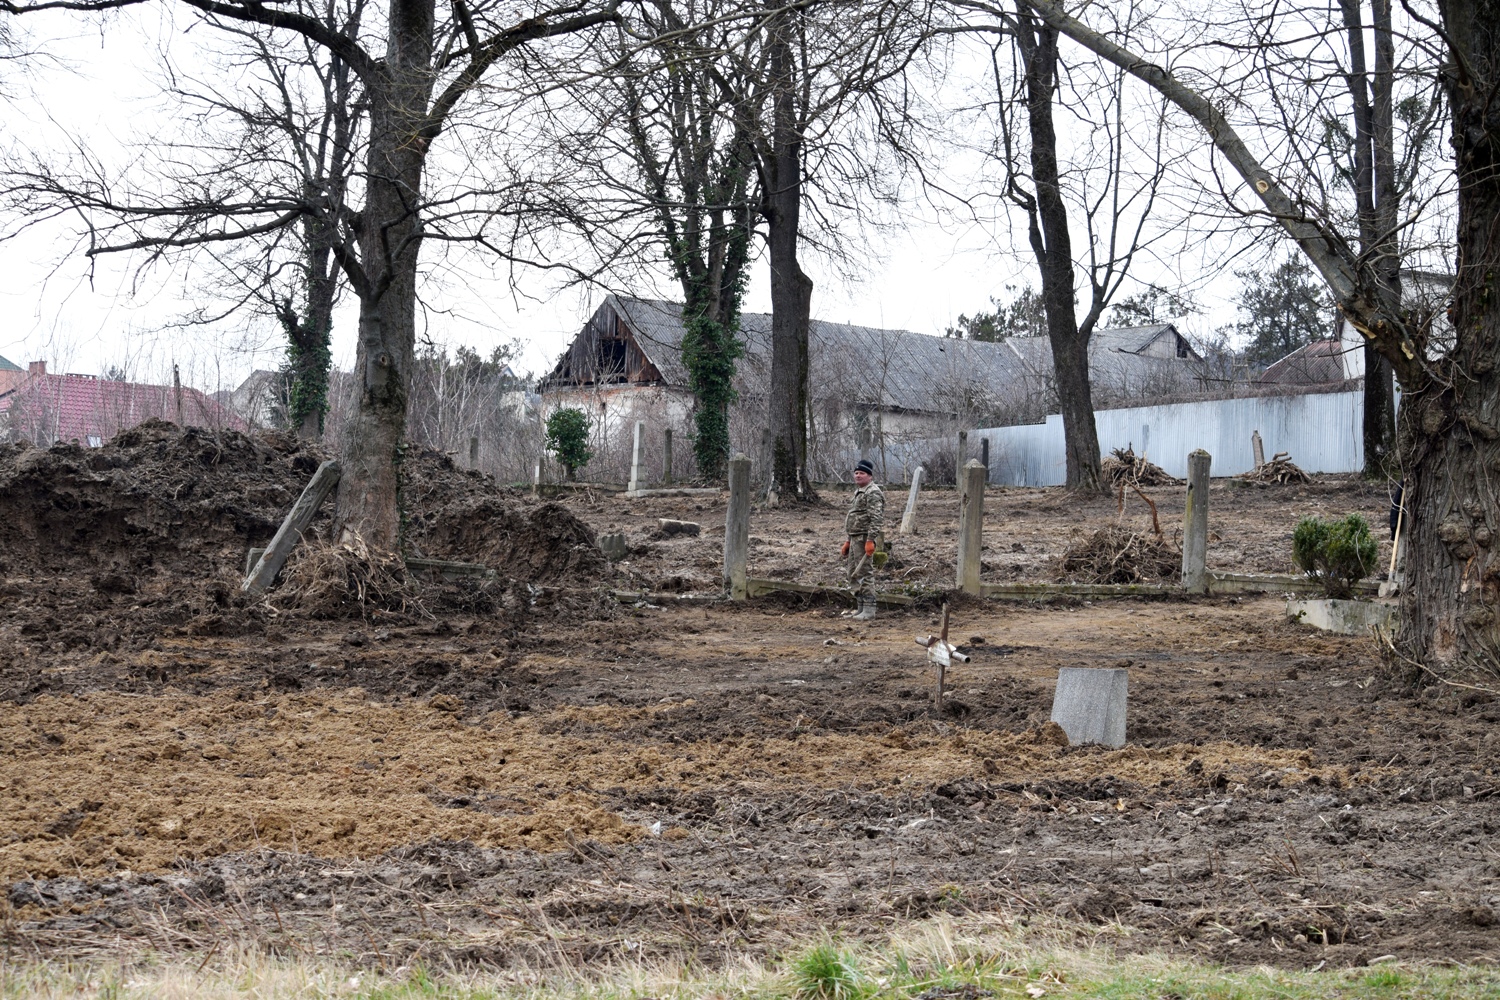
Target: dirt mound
1120	554
159	499
543	543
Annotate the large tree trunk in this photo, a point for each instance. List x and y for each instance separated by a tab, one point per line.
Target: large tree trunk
1449	427
1375	198
1053	247
1450	441
390	237
791	288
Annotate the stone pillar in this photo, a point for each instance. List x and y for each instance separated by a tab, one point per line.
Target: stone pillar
666	467
909	519
1195	525
1259	449
970	526
635	459
962	458
737	528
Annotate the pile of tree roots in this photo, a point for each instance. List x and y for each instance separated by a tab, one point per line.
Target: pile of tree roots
1118	553
345	580
1279	471
1124	466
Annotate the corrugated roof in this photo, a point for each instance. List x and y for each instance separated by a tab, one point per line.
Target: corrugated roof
1318	363
888	368
50	408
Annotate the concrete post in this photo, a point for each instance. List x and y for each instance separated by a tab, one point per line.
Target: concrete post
737	527
536	479
635	459
666	468
1195	525
909	518
962	458
970	526
1258	448
473	452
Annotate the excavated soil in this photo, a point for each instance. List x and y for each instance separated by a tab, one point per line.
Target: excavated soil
546	775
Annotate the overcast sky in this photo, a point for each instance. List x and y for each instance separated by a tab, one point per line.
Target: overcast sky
89	316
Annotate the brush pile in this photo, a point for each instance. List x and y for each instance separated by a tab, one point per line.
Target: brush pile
1123	466
328	580
1118	553
1279	471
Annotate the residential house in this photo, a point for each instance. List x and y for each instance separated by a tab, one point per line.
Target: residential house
871	388
47	409
11	375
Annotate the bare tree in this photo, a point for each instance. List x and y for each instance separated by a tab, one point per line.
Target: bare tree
1449	442
427	69
1114	198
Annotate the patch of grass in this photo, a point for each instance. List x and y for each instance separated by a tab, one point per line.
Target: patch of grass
826	973
977	957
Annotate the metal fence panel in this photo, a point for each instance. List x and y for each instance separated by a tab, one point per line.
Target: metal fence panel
1320	431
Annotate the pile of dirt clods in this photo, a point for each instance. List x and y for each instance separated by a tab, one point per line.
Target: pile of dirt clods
160	500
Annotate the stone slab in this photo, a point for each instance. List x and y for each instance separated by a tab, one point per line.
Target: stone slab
1343	617
614	546
1090	704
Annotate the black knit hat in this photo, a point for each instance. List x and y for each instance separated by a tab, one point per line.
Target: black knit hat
865	466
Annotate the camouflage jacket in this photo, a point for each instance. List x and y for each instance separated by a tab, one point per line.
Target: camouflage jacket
866	512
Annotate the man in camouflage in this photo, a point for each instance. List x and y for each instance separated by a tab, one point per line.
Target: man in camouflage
863	525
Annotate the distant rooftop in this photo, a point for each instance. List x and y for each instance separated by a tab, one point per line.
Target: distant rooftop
6	365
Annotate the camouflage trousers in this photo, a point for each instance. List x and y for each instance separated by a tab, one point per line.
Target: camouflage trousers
860	568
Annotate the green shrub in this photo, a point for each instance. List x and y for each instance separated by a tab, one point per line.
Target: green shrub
568	437
1338	554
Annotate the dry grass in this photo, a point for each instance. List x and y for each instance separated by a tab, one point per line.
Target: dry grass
982	955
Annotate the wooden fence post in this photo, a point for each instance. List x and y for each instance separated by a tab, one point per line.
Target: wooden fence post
666	473
290	532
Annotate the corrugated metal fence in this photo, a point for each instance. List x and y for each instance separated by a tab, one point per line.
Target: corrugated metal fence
1321	432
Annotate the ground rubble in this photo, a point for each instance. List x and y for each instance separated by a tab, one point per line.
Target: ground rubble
525	771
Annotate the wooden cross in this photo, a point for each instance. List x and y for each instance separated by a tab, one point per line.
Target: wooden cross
941	653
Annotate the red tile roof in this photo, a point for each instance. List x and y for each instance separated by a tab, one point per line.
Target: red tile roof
46	409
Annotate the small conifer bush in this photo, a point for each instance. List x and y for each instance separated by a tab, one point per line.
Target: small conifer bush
1338	554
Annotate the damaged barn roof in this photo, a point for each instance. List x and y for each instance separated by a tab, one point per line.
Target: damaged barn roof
640	341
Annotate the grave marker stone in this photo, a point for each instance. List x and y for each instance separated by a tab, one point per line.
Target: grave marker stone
909	518
635	459
1090	704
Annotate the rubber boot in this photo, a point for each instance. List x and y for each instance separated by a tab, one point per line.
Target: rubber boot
866	609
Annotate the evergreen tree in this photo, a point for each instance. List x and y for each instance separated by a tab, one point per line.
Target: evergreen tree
1283	310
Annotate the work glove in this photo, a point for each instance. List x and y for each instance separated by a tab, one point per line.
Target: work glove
845	550
869	547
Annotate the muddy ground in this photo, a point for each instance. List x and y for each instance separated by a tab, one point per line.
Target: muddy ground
532	772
